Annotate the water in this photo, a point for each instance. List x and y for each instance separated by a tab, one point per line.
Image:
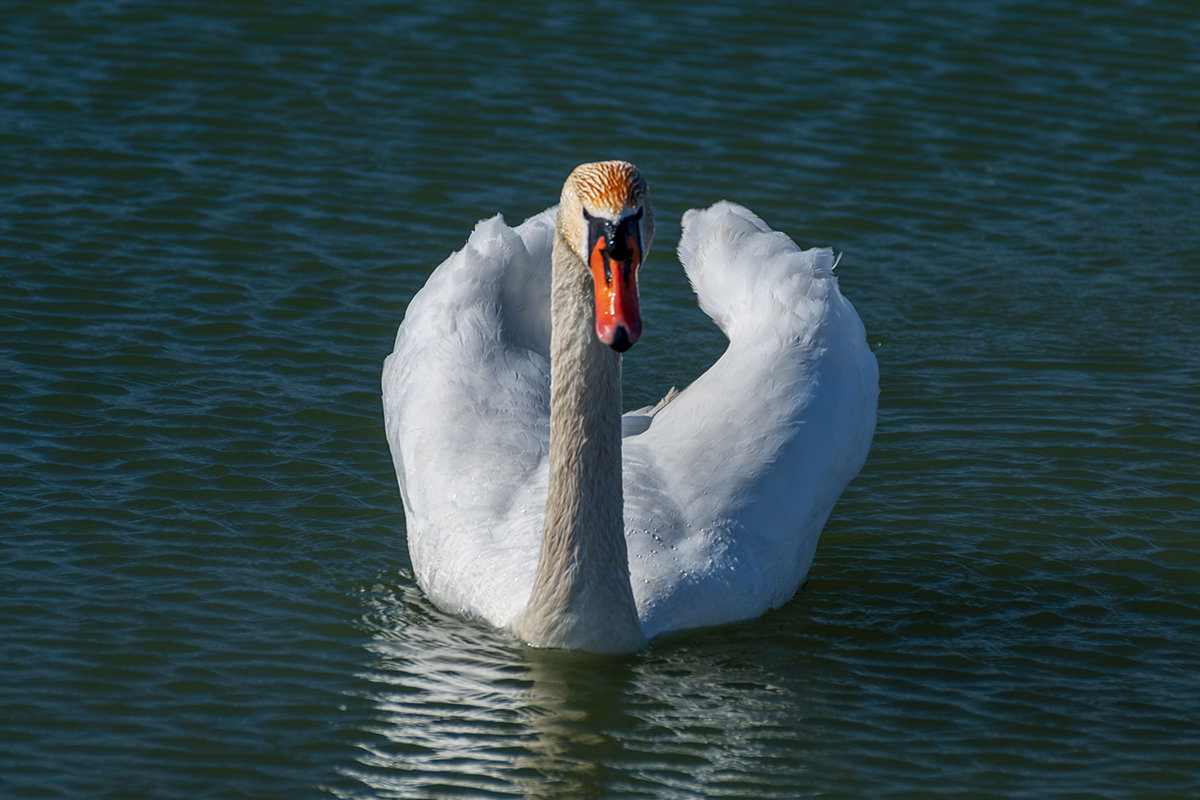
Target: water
212	215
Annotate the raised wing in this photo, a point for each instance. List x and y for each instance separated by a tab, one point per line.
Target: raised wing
728	487
467	402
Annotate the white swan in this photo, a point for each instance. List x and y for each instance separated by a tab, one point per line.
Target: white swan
502	399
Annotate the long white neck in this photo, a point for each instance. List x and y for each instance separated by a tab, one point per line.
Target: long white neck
581	595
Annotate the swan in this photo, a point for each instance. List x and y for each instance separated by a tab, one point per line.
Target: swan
533	505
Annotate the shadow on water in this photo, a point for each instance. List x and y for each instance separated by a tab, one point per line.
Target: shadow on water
463	710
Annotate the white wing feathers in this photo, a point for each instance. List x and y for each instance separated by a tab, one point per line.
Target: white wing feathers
467	399
749	278
755	452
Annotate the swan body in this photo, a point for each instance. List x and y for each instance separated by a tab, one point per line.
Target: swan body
544	511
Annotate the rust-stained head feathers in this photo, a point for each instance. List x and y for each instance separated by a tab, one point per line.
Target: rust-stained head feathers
608	189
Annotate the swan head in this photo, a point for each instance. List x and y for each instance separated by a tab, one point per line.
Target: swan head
606	219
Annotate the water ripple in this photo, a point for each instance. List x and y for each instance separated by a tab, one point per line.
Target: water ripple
214	213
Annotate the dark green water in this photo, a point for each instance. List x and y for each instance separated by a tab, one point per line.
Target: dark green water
213	214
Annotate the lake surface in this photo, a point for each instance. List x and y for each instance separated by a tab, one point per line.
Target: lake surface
213	214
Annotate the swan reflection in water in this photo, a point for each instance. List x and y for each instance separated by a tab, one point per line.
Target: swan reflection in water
465	711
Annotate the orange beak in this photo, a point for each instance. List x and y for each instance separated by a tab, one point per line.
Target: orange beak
615	254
